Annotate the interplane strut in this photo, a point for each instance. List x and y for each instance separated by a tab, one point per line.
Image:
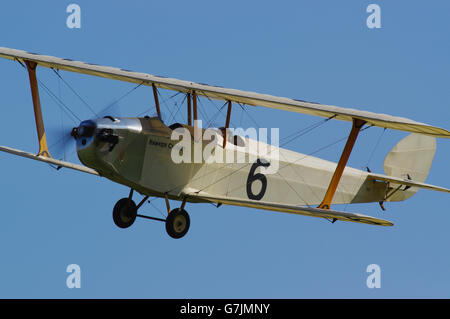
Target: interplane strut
357	125
43	149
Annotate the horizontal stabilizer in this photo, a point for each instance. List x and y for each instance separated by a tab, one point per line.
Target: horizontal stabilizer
48	160
300	210
406	182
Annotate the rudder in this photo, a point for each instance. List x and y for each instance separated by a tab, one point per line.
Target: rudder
411	159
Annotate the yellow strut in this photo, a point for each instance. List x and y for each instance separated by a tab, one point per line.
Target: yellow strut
326	202
43	149
155	96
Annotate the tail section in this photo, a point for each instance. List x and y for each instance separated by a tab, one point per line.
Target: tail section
410	159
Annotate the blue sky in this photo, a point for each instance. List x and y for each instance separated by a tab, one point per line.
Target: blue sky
312	50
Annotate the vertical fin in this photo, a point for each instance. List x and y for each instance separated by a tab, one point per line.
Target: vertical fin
411	158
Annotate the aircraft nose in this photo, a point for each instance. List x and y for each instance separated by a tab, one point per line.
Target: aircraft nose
84	131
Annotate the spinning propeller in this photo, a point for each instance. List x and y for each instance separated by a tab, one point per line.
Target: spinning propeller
62	137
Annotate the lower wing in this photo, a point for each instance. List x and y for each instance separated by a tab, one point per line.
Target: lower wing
48	160
300	210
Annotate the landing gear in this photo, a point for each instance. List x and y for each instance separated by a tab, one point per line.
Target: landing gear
177	223
125	213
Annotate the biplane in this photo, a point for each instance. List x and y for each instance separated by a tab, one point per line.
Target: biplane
136	152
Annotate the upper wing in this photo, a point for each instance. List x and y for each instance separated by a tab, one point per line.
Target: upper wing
300	210
214	92
406	182
49	160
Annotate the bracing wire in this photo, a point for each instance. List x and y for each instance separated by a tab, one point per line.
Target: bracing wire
123	96
75	92
375	147
178	108
59	102
214	117
164	101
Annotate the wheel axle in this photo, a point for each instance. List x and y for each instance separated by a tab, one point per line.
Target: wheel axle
150	217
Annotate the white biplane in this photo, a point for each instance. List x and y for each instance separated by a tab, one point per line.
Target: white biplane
136	152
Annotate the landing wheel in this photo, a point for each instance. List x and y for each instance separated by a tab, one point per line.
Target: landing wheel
124	213
177	223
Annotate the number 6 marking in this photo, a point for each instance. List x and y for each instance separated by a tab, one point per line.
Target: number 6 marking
257	177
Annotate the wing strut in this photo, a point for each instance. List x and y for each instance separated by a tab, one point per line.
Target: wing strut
194	104
357	125
43	149
155	94
189	109
227	124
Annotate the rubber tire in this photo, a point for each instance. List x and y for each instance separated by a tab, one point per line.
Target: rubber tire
176	218
124	213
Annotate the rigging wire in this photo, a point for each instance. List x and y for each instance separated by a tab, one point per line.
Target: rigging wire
295	135
375	148
214	117
122	97
248	114
59	102
201	107
74	92
304	131
164	101
241	117
218	108
178	109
